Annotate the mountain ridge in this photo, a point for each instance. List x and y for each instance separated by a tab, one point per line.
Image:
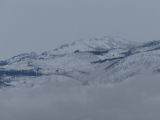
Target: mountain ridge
84	62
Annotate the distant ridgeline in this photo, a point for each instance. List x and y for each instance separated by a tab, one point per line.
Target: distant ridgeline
84	62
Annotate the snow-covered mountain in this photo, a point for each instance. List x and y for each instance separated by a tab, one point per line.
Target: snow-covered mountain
84	62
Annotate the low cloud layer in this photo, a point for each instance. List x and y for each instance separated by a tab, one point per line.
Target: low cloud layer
135	99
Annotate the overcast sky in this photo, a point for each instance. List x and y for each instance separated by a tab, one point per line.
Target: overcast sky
40	25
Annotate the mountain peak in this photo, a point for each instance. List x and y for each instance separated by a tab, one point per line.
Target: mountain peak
92	44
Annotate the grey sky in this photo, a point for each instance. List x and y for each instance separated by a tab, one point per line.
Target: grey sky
40	25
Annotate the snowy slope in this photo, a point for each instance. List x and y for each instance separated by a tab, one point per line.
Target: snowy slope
104	43
84	62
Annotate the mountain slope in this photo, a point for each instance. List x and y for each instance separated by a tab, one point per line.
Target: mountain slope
84	62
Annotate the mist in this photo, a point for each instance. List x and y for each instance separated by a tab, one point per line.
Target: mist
137	98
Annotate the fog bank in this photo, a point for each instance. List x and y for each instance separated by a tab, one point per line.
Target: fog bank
134	99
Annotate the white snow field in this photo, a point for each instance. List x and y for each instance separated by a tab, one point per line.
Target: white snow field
84	62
